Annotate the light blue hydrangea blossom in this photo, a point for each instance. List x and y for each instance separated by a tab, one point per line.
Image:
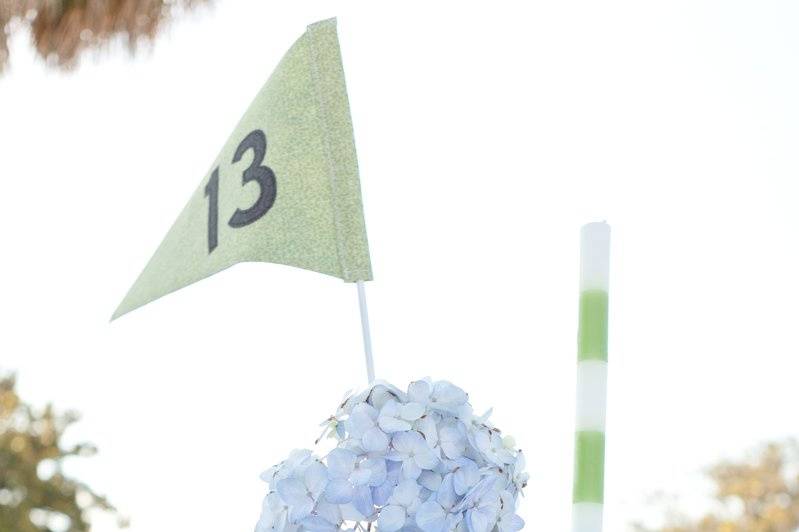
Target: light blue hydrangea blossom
415	461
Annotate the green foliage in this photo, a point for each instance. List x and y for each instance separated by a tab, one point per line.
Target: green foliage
35	496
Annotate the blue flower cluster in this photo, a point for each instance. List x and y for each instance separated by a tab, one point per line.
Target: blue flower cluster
415	461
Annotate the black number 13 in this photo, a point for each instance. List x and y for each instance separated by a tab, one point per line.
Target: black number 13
262	175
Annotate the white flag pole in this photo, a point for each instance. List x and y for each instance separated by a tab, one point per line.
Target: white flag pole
367	336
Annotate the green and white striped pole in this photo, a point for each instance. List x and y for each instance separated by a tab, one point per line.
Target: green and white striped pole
592	371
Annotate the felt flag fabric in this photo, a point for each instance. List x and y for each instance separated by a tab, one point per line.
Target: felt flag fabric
284	189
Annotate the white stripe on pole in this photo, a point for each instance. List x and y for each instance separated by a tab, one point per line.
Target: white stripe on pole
586	517
595	256
367	336
592	386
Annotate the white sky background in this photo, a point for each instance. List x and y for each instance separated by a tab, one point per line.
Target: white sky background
486	137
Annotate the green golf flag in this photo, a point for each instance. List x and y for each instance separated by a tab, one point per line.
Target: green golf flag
284	188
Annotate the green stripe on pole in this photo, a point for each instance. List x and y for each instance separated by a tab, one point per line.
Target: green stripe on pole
593	332
589	467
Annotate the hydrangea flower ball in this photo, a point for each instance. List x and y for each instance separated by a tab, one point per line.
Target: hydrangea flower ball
415	461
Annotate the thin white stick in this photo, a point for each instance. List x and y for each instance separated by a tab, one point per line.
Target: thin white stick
367	336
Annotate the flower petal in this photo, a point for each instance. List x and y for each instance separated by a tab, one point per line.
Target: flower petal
410	469
377	466
382	493
362	418
520	462
481	488
349	513
339	491
478	521
405	493
466	476
382	393
340	463
390	409
505	456
292	491
425	457
362	500
360	476
419	391
412	411
391	518
374	441
430	480
406	442
430	517
452	442
329	512
482	440
273	514
510	523
427	426
314	523
446	495
448	393
300	511
366	410
316	478
392	424
298	457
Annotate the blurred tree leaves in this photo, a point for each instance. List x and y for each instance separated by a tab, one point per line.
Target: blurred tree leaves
62	30
756	495
35	496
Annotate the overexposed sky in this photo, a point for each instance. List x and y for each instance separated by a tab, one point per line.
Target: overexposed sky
486	137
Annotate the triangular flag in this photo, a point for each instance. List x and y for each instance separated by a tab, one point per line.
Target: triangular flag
284	189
